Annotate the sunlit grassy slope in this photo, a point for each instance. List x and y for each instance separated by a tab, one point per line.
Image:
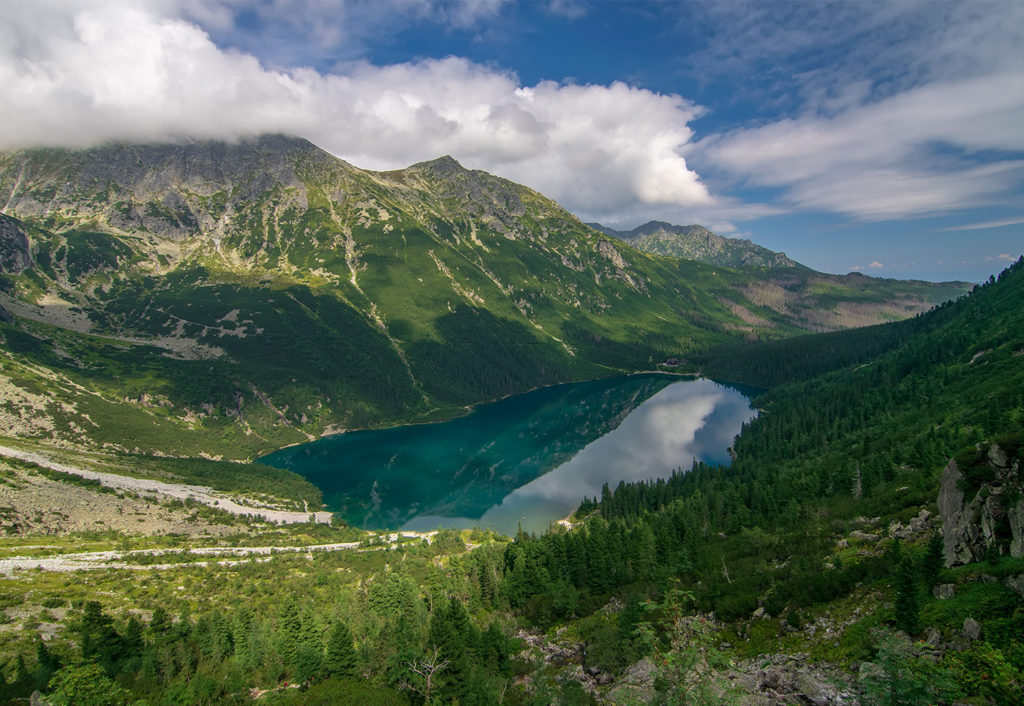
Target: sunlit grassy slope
236	298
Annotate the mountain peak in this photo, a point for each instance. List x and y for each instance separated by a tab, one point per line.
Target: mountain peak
695	242
442	165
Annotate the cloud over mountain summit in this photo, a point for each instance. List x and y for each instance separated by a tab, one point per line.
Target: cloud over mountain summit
106	71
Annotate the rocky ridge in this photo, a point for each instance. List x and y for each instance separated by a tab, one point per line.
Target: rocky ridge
695	242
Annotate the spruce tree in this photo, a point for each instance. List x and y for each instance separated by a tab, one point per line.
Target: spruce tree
486	580
934	559
241	627
289	632
46	665
454	635
21	673
906	602
220	635
340	658
160	623
133	635
46	659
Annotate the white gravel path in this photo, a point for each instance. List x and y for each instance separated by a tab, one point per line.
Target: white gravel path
115	559
144	486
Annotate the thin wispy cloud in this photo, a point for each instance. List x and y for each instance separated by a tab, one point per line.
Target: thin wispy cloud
985	225
824	56
879	160
872	110
570	9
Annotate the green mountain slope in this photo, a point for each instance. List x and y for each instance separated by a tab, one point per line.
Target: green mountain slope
239	297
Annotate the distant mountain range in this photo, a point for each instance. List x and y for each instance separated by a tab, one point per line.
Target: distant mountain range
239	297
695	242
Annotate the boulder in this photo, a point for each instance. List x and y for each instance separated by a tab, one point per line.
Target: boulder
972	629
816	691
1015	584
864	536
933	637
944	591
640	674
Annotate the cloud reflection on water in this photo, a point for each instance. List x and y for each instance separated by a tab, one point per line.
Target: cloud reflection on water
686	421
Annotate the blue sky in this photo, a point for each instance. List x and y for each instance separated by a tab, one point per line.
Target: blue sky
879	136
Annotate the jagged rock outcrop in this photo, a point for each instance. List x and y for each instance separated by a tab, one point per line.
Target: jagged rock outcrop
914	527
981	501
15	252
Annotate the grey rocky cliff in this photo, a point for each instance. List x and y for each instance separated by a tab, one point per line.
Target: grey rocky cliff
977	515
171	190
15	252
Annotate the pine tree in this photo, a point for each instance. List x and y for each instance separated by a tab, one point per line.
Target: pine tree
454	635
160	623
46	662
906	602
241	627
934	559
220	635
289	633
340	658
486	581
21	673
133	635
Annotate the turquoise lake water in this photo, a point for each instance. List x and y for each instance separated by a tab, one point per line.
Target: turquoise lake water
523	461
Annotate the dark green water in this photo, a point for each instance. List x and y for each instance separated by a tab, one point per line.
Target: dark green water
527	460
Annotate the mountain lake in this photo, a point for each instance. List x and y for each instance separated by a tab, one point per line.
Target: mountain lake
525	461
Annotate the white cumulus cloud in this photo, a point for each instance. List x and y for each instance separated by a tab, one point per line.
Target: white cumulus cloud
82	73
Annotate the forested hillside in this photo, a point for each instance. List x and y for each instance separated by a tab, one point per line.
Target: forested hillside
866	440
818	547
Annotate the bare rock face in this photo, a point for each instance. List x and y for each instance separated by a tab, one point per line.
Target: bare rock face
982	505
171	190
15	252
972	629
